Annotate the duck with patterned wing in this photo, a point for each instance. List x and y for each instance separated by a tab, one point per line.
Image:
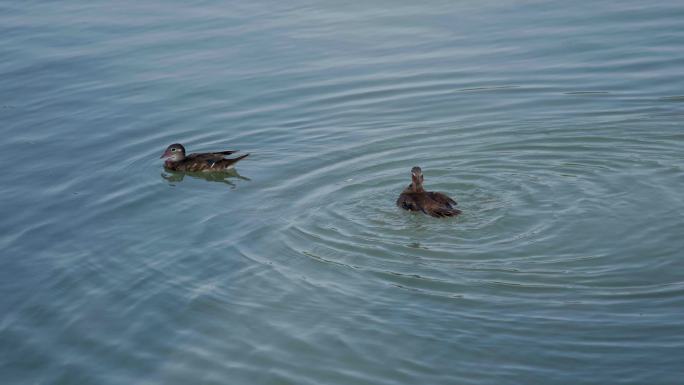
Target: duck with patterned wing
415	198
177	160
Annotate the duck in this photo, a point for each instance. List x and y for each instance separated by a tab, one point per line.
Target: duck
176	160
415	198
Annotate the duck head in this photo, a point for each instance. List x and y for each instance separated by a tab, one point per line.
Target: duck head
417	178
174	153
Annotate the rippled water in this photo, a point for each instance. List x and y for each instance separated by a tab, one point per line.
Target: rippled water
556	125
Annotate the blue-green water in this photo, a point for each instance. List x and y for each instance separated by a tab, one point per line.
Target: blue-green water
556	125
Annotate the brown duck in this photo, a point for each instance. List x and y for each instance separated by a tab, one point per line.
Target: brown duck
176	160
415	198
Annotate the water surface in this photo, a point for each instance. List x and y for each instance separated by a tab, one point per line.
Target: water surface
557	126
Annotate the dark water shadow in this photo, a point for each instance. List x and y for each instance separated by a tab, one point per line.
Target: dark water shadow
227	177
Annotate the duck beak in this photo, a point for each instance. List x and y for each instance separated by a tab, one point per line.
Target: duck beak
166	154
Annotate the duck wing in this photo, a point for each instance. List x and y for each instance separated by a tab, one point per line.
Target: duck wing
407	201
204	162
440	205
209	156
223	164
442	211
441	198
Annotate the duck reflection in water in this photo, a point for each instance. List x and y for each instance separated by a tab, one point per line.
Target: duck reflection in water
173	177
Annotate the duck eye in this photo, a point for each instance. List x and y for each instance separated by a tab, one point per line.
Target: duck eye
173	149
